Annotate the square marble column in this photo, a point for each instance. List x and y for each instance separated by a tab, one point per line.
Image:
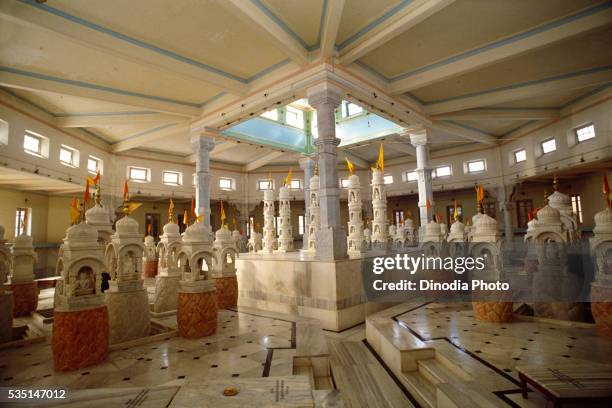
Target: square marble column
420	139
331	238
307	164
203	144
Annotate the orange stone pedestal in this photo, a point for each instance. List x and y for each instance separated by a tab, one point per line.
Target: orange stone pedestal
493	306
25	298
227	291
601	308
80	338
149	269
196	314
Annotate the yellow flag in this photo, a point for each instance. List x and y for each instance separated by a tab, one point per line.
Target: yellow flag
481	193
456	214
380	163
131	207
185	218
149	229
289	178
74	211
223	217
351	167
171	207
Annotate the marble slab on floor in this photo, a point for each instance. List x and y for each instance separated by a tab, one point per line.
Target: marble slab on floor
158	397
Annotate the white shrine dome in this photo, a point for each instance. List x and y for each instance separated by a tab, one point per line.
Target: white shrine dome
126	225
149	241
485	224
353	181
283	193
24	240
97	215
196	232
603	221
314	182
223	234
559	200
432	228
457	227
377	176
171	228
236	234
549	215
81	233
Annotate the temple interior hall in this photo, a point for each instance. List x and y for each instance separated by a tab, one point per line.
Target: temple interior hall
306	203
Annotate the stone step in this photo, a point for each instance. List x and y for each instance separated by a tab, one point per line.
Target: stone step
361	379
421	389
436	372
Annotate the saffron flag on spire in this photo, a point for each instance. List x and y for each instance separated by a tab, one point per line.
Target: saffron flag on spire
380	163
223	217
289	178
74	211
149	229
193	211
93	181
86	195
185	217
126	191
427	204
456	212
351	167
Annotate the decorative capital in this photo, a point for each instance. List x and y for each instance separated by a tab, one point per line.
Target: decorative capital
203	141
419	136
307	163
324	93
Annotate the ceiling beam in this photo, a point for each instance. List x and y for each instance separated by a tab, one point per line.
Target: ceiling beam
405	19
543	36
331	23
117	119
356	160
219	148
119	45
250	12
499	114
150	135
13	78
402	144
262	160
465	133
522	91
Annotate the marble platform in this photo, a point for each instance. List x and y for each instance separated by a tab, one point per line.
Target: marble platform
297	283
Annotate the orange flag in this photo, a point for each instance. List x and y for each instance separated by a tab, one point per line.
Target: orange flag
86	195
222	214
193	212
185	217
149	229
456	212
74	211
427	204
126	191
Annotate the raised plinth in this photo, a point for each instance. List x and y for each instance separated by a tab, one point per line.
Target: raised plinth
80	338
149	268
297	283
601	308
227	291
25	298
6	317
493	306
128	312
196	313
166	289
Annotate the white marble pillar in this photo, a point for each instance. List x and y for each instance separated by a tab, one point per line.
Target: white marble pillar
203	144
269	234
307	164
355	223
314	211
380	226
420	139
331	238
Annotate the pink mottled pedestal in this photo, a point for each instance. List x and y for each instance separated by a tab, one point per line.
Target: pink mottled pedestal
227	291
25	298
492	306
601	308
196	314
80	338
149	269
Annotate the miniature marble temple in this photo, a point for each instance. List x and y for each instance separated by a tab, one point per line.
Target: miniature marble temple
601	287
21	281
99	218
355	223
149	258
225	253
197	307
285	236
314	213
166	281
81	322
380	233
126	297
269	242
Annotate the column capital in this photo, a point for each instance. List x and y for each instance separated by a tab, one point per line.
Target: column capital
419	136
324	93
203	141
307	162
